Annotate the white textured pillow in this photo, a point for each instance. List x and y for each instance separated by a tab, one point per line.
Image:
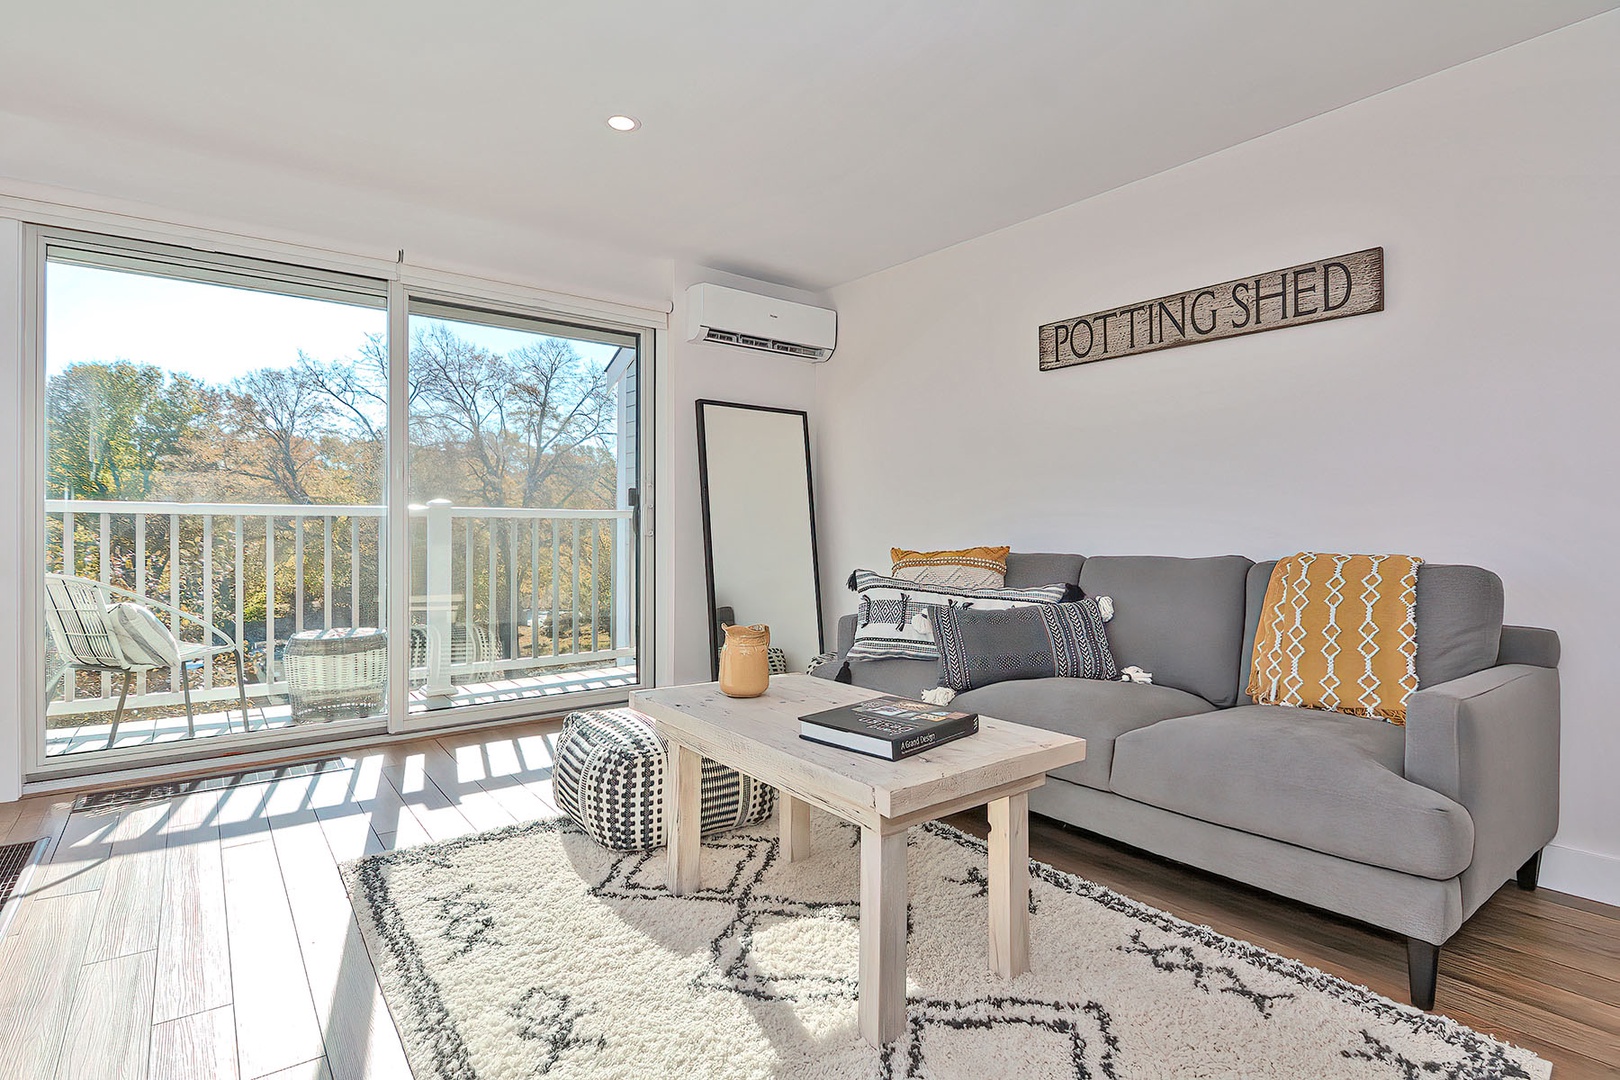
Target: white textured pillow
146	642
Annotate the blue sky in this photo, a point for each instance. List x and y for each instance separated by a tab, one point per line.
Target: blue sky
213	332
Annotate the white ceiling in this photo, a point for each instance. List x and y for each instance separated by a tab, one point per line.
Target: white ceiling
805	143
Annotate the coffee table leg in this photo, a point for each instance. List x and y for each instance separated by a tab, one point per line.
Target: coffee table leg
882	1007
793	819
685	781
1009	885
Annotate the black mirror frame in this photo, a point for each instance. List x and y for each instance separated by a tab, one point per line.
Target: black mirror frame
708	538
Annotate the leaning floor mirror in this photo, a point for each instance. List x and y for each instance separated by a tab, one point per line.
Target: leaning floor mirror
759	526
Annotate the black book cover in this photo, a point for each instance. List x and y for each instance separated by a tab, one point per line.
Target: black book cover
888	727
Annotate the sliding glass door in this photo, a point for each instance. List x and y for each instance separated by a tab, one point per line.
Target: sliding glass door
214	493
523	462
217	520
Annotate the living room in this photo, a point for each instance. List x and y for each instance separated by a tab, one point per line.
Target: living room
415	468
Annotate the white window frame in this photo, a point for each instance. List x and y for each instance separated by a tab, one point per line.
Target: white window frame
43	224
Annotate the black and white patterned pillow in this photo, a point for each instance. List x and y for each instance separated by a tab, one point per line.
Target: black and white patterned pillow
817	660
894	618
1065	641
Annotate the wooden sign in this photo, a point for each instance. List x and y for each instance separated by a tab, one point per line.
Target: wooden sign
1312	292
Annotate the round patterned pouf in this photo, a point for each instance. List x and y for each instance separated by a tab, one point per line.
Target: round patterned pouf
609	778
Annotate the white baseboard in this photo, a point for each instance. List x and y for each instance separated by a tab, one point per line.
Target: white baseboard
1582	873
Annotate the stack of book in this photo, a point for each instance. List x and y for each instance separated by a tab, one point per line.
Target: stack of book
888	727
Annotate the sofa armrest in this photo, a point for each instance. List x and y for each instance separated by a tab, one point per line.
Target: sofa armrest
1490	742
1529	645
846	635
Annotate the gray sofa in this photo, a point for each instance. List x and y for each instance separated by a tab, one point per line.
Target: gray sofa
1407	828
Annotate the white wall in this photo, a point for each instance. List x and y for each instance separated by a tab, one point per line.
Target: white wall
693	371
1471	421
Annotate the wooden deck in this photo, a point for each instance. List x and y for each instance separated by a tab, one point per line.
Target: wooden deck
209	936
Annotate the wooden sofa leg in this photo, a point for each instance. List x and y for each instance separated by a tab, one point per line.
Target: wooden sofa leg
1422	969
1530	873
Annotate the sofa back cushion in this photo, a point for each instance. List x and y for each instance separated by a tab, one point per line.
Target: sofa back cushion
1181	619
1459	620
1031	571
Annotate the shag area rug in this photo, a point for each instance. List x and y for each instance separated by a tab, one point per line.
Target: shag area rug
530	951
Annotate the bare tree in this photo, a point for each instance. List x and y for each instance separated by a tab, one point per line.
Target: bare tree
280	417
566	408
356	390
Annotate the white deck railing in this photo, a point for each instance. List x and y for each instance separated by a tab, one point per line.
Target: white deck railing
543	586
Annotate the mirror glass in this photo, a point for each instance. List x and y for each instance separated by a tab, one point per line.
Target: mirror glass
759	525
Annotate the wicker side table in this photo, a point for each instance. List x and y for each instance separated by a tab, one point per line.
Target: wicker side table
336	674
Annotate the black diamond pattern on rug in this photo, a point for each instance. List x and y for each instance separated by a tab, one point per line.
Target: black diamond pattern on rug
531	951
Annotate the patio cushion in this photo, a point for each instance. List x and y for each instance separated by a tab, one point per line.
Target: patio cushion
1325	781
142	637
1098	712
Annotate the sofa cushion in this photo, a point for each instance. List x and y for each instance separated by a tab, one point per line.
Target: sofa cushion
1459	621
1459	627
1030	571
1181	619
1324	781
905	678
1098	712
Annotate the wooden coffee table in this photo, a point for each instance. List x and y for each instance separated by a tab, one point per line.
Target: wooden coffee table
760	737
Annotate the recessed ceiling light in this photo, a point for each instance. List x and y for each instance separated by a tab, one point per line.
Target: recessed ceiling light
623	123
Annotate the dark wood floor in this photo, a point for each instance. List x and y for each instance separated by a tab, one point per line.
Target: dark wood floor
209	936
1540	969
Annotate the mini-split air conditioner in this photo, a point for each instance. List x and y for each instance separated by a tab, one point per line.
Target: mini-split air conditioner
747	320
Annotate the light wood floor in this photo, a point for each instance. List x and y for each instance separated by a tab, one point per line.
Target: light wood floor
209	936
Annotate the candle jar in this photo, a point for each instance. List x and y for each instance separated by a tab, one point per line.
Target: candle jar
745	661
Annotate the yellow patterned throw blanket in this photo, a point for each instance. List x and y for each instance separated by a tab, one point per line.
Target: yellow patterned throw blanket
1339	632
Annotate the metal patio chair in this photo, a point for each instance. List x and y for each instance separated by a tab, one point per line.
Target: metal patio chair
78	612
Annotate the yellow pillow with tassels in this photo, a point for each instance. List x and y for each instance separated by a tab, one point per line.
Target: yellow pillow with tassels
963	568
1339	632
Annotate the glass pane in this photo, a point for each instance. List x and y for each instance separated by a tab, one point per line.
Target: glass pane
522	466
214	503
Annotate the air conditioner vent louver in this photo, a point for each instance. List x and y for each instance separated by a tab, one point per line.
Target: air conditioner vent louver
723	316
749	341
803	352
